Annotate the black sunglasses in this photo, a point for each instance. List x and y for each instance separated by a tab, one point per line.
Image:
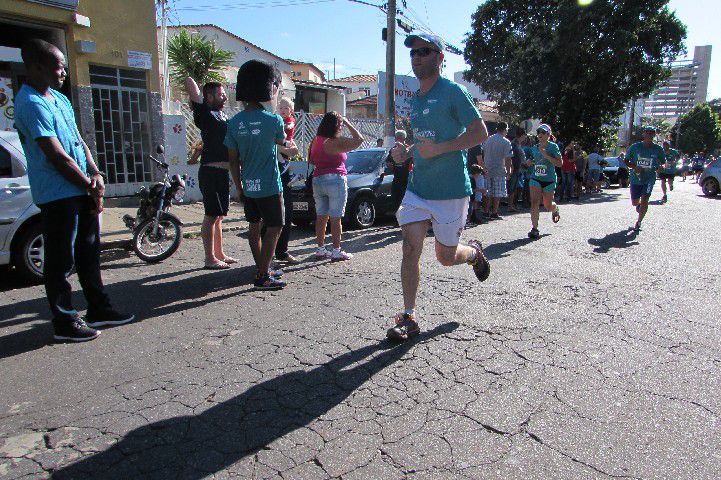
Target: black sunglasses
423	52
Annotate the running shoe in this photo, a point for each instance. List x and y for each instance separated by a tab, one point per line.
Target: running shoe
481	266
637	227
322	253
556	215
275	272
288	259
107	318
533	234
406	327
340	256
267	282
664	199
74	330
671	186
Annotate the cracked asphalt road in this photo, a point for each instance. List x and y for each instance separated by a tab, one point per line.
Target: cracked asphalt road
587	354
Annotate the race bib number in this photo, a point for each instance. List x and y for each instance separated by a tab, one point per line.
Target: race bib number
644	162
540	170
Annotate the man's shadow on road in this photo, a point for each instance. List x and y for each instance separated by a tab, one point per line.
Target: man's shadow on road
495	251
195	446
141	296
623	239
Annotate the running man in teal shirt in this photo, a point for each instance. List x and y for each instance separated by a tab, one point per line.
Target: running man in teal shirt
644	159
445	124
669	169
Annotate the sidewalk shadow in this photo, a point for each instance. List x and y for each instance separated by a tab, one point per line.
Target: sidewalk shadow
197	446
623	239
138	296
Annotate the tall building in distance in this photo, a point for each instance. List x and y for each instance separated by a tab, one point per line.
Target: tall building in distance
687	87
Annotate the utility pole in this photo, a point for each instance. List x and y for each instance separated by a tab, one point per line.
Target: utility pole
164	47
390	123
631	120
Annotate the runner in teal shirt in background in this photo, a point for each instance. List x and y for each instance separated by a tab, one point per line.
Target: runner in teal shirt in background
669	169
644	159
545	157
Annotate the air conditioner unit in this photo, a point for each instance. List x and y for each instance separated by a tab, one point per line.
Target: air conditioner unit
66	4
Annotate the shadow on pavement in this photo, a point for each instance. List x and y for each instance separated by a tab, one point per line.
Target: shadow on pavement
197	446
495	251
623	239
146	300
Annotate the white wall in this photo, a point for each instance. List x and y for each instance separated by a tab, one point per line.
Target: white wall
473	89
336	101
176	155
356	86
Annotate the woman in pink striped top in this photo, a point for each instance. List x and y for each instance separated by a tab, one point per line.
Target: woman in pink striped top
330	186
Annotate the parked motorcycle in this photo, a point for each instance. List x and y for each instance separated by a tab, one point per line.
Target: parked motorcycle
157	232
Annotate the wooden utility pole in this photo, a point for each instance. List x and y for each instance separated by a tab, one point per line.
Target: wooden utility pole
390	113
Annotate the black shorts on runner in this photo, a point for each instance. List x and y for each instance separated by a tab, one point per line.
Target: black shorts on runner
214	183
269	209
666	176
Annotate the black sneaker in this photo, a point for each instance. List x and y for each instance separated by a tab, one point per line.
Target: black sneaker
495	216
406	327
288	259
267	282
671	187
107	317
534	234
664	199
637	227
75	330
481	266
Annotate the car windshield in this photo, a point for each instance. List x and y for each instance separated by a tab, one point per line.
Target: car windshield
613	162
363	161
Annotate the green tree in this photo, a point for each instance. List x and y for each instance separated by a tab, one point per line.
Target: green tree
698	131
571	66
197	57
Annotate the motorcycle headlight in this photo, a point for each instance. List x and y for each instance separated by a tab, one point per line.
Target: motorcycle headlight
179	194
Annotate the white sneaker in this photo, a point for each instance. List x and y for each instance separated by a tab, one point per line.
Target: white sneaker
322	252
340	255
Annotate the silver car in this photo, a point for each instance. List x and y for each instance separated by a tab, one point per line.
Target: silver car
711	178
21	240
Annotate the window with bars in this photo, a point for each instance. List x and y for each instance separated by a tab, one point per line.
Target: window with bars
122	123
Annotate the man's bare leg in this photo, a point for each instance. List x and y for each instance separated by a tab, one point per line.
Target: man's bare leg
413	236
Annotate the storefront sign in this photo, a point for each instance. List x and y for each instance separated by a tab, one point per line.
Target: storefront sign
140	60
406	87
67	4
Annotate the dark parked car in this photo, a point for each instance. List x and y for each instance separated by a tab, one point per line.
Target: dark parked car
369	190
615	173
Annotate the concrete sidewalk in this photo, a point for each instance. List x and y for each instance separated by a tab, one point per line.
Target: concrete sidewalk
114	232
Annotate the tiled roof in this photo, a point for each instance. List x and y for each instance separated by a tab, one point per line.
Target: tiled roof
370	100
179	27
356	79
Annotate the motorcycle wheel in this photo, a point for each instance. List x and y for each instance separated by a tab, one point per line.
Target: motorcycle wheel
156	248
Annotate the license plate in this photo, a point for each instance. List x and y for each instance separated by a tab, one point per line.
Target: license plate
300	206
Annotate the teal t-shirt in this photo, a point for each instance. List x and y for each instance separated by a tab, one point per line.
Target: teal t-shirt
648	158
671	159
254	133
542	169
37	116
440	115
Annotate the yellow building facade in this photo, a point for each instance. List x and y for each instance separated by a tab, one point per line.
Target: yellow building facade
113	80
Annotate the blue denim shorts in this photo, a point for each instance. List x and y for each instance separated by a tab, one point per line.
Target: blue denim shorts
330	193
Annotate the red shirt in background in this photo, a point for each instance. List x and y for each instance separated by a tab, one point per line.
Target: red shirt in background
568	164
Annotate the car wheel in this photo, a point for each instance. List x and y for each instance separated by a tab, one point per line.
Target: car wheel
29	256
363	213
710	187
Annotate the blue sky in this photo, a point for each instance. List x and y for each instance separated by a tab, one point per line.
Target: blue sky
350	32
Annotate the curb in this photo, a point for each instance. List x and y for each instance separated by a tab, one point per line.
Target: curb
126	244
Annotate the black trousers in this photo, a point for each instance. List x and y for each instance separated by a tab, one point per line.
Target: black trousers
71	235
281	248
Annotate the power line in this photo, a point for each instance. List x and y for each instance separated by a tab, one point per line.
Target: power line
246	5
